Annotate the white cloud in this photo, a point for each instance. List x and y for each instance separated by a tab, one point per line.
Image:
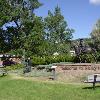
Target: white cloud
96	2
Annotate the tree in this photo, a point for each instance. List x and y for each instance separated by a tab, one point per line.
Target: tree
19	12
31	33
95	35
5	10
35	40
57	31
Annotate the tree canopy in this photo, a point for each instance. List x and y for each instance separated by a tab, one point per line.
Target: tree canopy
35	35
57	31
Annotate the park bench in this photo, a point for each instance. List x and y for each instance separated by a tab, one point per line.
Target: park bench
94	78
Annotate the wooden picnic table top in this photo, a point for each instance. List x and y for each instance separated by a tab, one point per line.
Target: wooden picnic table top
92	78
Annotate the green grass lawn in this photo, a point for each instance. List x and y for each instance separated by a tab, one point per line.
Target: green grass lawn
15	89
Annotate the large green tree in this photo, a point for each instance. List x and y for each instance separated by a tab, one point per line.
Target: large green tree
5	10
19	12
35	41
31	33
57	31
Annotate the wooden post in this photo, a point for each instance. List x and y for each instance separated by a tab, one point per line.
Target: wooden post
93	85
95	76
54	74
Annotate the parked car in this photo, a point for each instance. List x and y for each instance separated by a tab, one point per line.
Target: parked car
8	62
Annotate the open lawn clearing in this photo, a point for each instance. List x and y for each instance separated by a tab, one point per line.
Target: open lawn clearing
21	89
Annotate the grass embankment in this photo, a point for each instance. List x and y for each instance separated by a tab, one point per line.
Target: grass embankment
20	89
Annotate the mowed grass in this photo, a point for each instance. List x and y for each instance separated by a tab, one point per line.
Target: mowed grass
20	89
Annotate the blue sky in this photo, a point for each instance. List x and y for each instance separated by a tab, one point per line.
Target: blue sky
80	15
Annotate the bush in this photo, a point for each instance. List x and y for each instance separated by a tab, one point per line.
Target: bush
85	58
37	61
51	59
63	58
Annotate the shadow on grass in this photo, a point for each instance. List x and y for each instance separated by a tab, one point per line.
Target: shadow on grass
91	87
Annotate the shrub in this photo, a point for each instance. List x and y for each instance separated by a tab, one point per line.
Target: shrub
37	60
51	59
85	58
64	58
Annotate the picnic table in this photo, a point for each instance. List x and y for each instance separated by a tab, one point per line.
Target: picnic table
94	78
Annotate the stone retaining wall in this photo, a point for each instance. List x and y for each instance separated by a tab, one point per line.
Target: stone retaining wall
76	72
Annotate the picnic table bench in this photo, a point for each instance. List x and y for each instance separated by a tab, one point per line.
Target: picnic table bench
94	78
